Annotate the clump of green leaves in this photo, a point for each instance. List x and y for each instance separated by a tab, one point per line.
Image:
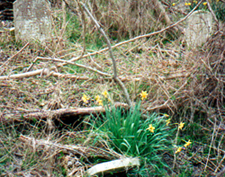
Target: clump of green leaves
128	133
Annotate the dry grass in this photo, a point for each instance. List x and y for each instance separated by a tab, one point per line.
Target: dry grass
187	84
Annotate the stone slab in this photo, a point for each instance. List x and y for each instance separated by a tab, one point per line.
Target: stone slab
199	28
32	20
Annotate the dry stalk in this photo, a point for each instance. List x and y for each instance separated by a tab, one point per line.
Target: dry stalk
111	55
212	140
76	64
213	14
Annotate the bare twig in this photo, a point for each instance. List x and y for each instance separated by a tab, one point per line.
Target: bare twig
212	140
111	55
213	14
72	63
107	40
27	74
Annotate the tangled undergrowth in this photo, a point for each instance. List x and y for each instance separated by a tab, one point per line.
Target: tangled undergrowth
185	87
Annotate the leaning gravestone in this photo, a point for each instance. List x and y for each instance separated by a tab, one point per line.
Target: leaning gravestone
199	28
32	20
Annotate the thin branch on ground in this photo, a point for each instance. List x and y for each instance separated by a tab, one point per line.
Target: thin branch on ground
69	62
27	74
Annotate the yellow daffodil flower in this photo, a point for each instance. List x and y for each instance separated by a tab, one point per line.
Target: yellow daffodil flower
97	98
187	4
143	95
168	122
100	102
204	3
181	125
105	93
85	98
178	150
187	143
151	128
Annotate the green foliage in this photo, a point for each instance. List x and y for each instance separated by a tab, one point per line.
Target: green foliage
74	32
219	9
128	133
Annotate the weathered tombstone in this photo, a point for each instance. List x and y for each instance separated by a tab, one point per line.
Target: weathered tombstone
199	28
32	20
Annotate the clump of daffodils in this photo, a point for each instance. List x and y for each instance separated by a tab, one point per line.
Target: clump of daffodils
99	99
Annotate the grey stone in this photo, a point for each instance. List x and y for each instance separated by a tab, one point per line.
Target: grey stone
113	166
199	28
32	20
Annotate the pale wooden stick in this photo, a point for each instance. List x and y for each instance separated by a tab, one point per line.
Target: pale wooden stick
27	74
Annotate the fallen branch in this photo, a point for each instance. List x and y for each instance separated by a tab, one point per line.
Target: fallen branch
72	76
27	74
71	113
